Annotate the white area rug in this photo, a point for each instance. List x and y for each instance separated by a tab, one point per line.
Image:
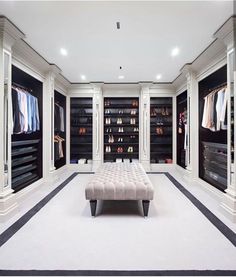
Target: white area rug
63	235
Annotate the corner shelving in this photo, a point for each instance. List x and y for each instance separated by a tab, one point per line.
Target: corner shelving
81	129
121	129
161	129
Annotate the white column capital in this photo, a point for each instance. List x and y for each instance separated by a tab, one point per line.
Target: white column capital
145	87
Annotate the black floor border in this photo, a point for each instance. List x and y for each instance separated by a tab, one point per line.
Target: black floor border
227	232
15	227
117	272
223	228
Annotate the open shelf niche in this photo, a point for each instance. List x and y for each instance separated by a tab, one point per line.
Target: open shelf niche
161	130
81	130
121	129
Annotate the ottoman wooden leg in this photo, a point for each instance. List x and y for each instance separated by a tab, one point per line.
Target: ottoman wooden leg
93	205
145	207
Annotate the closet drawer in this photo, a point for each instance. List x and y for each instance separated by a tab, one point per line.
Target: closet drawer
221	158
215	169
215	179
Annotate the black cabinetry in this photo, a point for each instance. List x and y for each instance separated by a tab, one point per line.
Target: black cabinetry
59	130
213	143
181	127
81	130
161	129
121	129
26	159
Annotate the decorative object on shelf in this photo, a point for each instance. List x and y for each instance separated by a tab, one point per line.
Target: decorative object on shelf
119	120
159	131
111	139
130	149
136	129
108	149
153	112
135	103
108	130
132	121
107	111
121	130
108	121
119	150
168	161
82	130
120	140
120	112
133	112
107	103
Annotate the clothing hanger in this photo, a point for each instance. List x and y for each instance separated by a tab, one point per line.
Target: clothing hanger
216	89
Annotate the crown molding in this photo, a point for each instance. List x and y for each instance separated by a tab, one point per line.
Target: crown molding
24	53
226	31
9	32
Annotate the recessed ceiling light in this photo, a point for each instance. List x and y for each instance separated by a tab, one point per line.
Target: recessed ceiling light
121	77
175	52
64	52
159	76
83	77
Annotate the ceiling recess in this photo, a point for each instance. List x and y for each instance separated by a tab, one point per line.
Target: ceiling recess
118	25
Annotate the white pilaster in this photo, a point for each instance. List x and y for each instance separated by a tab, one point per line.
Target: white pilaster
97	126
9	34
227	34
193	124
144	118
48	121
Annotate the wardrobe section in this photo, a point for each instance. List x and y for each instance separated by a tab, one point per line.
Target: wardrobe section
121	129
81	130
213	129
27	129
182	129
59	129
161	130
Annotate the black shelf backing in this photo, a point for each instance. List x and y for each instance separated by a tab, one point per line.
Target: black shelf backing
125	104
161	118
81	109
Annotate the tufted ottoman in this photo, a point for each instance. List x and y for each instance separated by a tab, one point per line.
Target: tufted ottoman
120	181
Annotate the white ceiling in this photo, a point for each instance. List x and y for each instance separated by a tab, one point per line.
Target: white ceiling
149	31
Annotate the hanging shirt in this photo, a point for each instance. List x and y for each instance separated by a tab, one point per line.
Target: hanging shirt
62	127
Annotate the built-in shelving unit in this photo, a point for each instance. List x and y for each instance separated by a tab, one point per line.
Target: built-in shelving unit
26	146
212	144
161	129
81	130
121	129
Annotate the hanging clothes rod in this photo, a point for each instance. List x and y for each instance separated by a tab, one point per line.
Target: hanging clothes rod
218	87
20	86
183	101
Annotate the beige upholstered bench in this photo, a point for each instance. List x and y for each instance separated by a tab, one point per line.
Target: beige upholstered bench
120	181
